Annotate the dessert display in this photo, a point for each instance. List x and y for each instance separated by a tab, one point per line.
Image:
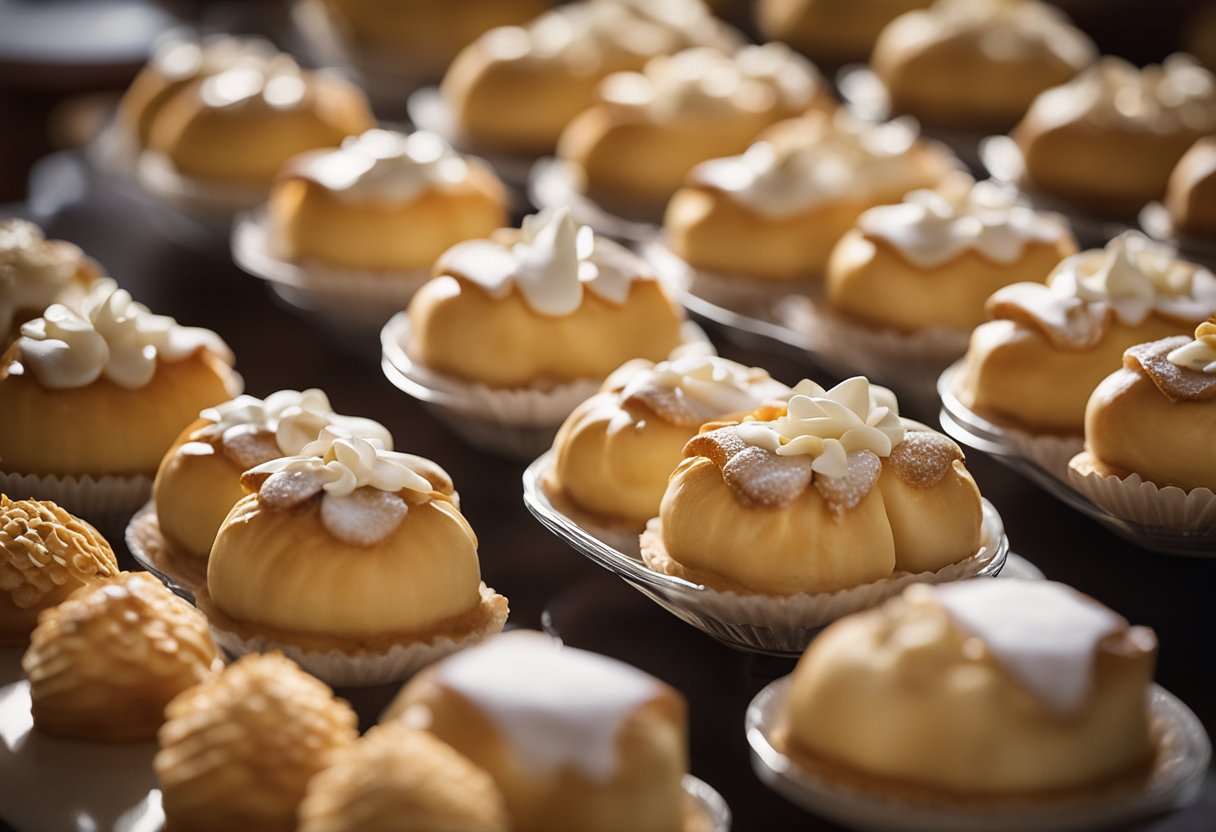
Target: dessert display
46	554
104	663
775	212
36	272
615	452
574	740
1109	139
238	750
1190	196
400	778
515	88
840	489
350	560
632	150
833	32
976	65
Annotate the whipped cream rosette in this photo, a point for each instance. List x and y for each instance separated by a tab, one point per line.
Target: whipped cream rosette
36	272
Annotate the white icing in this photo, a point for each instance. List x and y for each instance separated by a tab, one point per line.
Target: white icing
705	82
180	59
709	385
1200	354
838	156
828	425
556	707
1135	277
110	336
34	273
1009	30
385	165
295	418
933	227
1043	634
551	264
342	463
277	83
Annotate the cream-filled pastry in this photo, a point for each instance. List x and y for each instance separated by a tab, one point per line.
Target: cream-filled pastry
1035	365
1190	196
199	479
548	303
933	259
614	453
105	387
238	750
573	739
46	554
1109	138
348	547
776	211
1156	416
382	202
977	63
834	32
397	779
833	492
104	663
650	128
36	272
1045	686
515	88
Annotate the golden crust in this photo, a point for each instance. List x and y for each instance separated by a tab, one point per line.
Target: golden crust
833	32
196	486
1190	195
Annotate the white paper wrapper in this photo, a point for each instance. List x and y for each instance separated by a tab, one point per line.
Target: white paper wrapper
182	574
1134	498
355	670
552	184
106	502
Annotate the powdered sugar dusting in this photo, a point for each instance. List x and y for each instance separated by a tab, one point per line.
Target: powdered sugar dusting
924	457
1068	322
248	445
669	404
845	493
1178	384
287	489
363	518
761	478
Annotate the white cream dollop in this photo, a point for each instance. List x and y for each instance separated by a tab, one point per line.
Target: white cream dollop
385	165
296	418
277	83
827	425
1200	354
109	336
710	385
34	272
933	227
342	463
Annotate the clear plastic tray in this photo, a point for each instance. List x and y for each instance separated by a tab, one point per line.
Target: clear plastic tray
147	546
551	185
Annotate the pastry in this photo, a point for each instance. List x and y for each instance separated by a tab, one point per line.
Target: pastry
833	32
1190	196
933	260
988	690
382	202
46	554
515	88
977	63
104	663
238	750
1156	416
614	453
105	389
36	272
650	128
775	212
833	492
199	479
574	740
347	547
1034	366
400	779
549	303
1108	139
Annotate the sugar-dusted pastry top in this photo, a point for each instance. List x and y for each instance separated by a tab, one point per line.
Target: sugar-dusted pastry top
707	82
1183	369
34	271
835	156
1178	94
551	261
108	335
384	165
1129	280
932	227
43	547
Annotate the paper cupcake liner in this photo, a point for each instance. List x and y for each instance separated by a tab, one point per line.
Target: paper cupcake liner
184	575
551	184
106	502
1140	501
339	669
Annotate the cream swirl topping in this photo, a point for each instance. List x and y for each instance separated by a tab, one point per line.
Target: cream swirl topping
551	263
933	227
277	83
34	272
295	418
1005	29
703	387
183	58
342	463
110	336
828	425
1200	354
385	165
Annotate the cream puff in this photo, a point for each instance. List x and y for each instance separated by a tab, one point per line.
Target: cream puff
1034	366
1190	196
36	272
834	492
775	212
833	32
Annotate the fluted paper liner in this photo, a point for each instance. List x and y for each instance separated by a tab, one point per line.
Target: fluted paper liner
183	574
1140	501
106	501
